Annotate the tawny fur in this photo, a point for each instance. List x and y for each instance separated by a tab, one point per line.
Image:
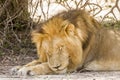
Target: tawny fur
74	40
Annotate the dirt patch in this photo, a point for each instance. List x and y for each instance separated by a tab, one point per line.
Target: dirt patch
7	62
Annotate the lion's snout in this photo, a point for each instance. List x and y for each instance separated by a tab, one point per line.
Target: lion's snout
57	66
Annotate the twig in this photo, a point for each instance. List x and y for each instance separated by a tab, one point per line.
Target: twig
48	8
84	5
111	11
5	5
96	8
15	15
41	7
35	9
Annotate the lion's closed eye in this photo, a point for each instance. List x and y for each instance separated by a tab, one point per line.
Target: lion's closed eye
61	47
48	53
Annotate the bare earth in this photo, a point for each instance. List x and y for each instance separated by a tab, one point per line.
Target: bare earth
113	75
7	63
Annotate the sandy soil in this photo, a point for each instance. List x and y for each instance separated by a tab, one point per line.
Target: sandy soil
113	75
7	63
75	76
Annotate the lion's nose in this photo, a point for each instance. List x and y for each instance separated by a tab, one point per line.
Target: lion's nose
56	67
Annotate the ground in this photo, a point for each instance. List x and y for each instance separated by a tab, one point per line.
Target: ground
8	62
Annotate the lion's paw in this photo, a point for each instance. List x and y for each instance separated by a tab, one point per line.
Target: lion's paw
22	71
14	70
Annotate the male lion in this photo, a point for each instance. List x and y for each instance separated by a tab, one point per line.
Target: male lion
73	40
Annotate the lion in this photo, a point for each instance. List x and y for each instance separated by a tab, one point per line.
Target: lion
70	41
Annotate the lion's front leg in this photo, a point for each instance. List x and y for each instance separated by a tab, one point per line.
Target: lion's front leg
38	69
15	69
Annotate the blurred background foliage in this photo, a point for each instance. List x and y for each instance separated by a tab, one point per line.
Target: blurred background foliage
18	17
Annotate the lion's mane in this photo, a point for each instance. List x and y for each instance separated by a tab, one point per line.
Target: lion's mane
86	29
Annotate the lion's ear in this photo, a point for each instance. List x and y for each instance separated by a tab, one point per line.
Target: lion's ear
69	28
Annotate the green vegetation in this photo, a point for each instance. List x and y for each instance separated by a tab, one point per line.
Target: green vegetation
111	24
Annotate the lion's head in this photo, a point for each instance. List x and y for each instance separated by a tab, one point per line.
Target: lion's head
60	41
